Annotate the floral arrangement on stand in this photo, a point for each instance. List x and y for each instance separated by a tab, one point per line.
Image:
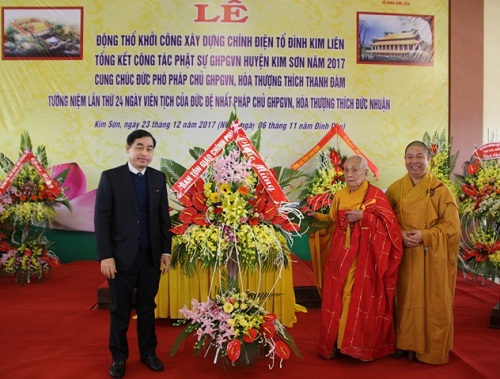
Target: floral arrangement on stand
442	162
322	184
26	210
479	205
228	222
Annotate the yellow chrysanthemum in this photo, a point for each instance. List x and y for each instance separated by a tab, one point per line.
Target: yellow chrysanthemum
228	307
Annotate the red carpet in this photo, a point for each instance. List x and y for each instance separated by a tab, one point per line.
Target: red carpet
52	330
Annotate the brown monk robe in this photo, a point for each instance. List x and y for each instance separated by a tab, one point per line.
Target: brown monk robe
430	224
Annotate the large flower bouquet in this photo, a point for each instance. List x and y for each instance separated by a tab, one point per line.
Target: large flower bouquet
228	222
442	162
317	194
227	217
237	327
479	205
26	209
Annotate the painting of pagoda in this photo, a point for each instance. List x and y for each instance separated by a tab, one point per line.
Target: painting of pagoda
395	39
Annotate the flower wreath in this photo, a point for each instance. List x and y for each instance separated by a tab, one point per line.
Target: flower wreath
479	205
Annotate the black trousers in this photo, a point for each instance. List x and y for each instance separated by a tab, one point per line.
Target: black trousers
144	278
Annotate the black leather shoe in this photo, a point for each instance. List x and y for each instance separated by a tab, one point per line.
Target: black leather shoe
153	362
399	353
117	369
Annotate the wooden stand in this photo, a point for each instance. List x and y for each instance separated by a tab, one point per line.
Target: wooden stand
495	317
103	296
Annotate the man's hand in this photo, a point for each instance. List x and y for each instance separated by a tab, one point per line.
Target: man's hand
108	268
165	263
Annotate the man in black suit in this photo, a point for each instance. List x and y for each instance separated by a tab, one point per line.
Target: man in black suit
132	225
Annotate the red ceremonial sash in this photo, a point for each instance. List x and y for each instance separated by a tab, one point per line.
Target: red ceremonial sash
488	151
237	134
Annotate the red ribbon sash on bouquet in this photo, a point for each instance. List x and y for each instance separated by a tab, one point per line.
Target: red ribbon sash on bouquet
202	163
336	129
28	156
233	133
259	166
488	151
311	153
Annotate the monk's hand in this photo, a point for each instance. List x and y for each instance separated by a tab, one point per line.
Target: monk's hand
309	212
354	215
412	238
165	263
108	268
417	236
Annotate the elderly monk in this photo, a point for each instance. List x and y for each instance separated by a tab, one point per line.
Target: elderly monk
428	217
361	269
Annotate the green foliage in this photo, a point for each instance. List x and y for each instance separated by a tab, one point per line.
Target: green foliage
172	170
5	163
232	117
196	152
442	162
286	176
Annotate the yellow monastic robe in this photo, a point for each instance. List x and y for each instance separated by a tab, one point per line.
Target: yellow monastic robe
177	290
427	273
319	245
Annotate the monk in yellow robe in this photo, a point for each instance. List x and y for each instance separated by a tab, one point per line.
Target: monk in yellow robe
430	224
357	310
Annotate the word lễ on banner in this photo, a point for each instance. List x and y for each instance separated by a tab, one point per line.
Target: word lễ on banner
237	134
29	157
336	129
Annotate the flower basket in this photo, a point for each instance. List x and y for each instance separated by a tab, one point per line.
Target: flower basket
28	197
236	329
